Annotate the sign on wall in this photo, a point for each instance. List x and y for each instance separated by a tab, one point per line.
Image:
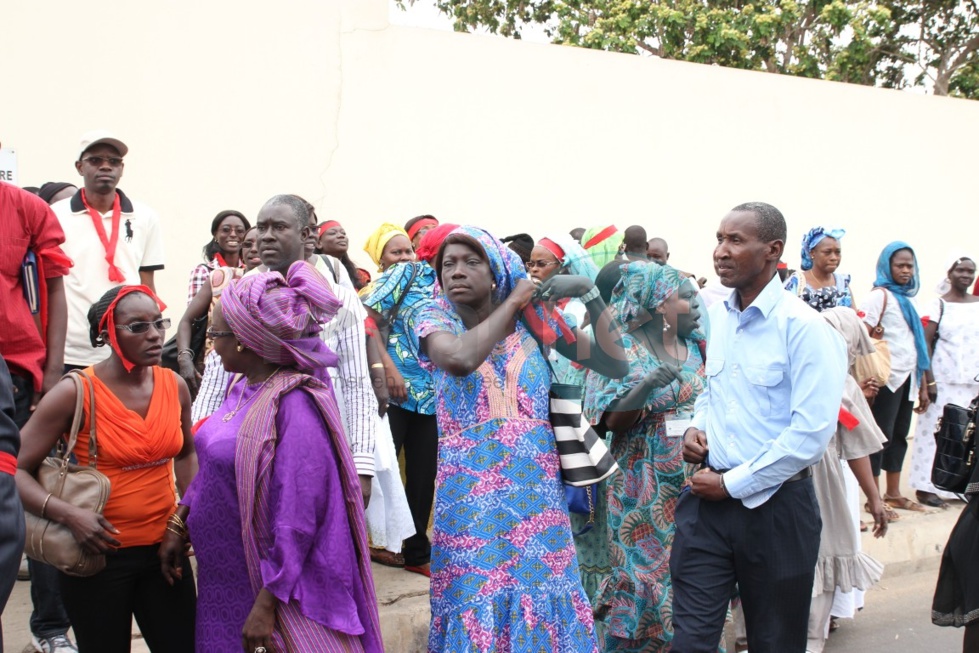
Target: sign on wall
8	165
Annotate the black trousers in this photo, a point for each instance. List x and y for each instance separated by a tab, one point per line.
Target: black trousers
769	552
892	411
102	607
419	435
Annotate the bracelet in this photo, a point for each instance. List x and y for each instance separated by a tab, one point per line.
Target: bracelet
931	384
590	295
723	485
189	352
182	536
377	366
177	521
44	506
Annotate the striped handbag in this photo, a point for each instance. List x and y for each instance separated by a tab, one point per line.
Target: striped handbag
585	460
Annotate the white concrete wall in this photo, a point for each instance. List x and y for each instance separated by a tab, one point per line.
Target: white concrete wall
225	104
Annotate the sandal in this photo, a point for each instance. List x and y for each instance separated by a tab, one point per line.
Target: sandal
904	503
932	500
888	512
387	558
424	570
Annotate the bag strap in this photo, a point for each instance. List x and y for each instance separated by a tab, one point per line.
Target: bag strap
883	308
391	315
81	379
76	421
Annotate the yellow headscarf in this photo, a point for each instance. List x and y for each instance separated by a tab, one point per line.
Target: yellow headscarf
381	237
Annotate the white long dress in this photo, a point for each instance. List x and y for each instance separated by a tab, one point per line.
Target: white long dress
955	366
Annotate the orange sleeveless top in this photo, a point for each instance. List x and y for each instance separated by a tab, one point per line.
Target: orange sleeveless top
136	454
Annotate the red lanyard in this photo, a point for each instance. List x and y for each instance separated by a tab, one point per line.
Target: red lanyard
108	244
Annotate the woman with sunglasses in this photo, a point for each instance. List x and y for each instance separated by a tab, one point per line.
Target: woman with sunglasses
142	419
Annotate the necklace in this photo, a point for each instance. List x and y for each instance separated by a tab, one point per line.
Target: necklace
244	386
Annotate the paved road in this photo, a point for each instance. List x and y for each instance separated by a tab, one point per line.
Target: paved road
897	619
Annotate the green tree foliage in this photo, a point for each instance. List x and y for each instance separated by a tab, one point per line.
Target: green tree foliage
886	43
946	45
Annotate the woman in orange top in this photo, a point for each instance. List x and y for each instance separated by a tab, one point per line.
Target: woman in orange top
142	416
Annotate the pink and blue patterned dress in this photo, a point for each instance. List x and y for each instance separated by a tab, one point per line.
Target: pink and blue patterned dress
504	572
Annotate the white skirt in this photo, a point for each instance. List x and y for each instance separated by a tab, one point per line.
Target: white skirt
389	520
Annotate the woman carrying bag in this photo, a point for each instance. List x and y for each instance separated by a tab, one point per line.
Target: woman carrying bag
142	420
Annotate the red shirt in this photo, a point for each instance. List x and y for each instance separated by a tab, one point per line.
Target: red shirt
26	223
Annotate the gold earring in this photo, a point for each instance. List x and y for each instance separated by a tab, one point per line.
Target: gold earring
240	347
494	286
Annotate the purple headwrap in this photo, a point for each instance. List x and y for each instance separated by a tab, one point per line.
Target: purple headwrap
279	318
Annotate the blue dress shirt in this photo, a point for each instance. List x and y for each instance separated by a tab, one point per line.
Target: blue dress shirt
775	375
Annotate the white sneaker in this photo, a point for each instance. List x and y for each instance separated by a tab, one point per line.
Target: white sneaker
54	644
24	573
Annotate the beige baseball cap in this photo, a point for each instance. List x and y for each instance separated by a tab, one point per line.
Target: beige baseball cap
99	136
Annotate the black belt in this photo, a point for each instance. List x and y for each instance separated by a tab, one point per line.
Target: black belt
801	476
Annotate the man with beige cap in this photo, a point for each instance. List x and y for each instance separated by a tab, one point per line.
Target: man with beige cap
112	239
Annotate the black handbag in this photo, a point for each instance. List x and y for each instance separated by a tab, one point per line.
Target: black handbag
955	448
198	336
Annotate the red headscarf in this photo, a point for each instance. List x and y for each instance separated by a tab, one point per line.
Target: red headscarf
428	248
329	224
108	321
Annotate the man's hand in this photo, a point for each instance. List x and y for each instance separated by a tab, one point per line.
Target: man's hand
694	446
50	379
707	484
924	398
365	488
397	389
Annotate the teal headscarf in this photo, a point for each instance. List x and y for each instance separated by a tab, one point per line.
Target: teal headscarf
644	286
903	293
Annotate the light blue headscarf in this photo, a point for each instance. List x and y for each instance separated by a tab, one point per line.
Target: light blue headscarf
811	239
902	293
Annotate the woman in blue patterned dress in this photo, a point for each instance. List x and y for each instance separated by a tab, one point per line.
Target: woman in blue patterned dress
646	412
504	573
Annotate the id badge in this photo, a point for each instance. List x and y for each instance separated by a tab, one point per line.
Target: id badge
678	425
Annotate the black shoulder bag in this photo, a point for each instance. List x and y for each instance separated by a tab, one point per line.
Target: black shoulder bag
955	449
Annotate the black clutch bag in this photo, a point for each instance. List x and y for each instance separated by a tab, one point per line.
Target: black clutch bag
955	448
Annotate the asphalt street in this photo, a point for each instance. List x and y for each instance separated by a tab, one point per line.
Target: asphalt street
897	619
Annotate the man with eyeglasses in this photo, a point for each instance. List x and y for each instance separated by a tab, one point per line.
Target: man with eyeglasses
112	239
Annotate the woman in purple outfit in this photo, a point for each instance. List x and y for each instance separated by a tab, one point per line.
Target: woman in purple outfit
275	513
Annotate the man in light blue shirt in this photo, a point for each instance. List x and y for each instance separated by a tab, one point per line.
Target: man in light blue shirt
775	374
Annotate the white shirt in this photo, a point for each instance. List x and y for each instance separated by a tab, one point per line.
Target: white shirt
88	280
346	335
897	333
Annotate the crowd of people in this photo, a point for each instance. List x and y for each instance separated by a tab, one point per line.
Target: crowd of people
265	436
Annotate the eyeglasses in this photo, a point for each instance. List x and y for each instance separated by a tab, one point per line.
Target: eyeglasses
212	334
143	327
540	264
97	161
